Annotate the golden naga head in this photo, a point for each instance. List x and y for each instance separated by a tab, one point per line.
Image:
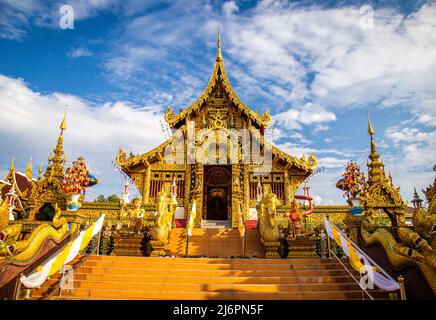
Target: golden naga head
121	157
266	118
169	115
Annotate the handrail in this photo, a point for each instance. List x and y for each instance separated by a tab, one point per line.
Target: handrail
400	283
363	253
48	261
18	282
75	267
348	271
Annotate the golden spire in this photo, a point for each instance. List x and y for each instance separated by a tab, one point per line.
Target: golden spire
29	169
370	129
376	172
63	125
218	44
390	178
40	171
11	173
56	162
59	146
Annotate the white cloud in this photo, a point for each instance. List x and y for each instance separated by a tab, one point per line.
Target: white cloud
79	52
418	148
307	114
17	16
393	64
229	8
332	162
29	128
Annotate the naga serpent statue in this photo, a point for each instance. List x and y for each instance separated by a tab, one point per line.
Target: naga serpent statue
24	250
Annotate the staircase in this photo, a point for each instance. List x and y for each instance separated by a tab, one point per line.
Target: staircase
116	277
224	243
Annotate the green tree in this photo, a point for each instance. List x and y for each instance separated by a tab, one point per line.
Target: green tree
113	198
100	198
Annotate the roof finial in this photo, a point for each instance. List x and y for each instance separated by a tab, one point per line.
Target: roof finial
370	129
29	169
40	171
63	125
218	44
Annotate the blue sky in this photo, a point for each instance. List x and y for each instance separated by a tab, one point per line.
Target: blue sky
311	63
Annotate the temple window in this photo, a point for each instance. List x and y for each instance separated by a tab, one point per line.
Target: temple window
159	177
275	179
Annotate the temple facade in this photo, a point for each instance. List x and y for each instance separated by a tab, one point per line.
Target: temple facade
219	156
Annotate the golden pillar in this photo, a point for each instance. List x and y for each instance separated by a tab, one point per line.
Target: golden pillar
198	193
287	187
246	191
236	193
186	201
146	184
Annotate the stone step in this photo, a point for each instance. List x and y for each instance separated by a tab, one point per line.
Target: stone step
200	272
206	286
144	278
237	265
115	277
113	294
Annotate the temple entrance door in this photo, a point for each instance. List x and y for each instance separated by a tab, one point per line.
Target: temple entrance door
217	192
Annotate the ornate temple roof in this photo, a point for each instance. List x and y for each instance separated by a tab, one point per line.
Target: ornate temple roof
22	182
218	75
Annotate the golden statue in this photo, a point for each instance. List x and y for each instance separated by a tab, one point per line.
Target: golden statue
135	215
267	211
297	217
165	214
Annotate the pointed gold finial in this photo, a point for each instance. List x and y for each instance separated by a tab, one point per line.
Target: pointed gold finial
390	178
40	171
218	44
29	169
63	125
370	129
13	163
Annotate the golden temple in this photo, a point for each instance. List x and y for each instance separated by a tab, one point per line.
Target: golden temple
220	200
